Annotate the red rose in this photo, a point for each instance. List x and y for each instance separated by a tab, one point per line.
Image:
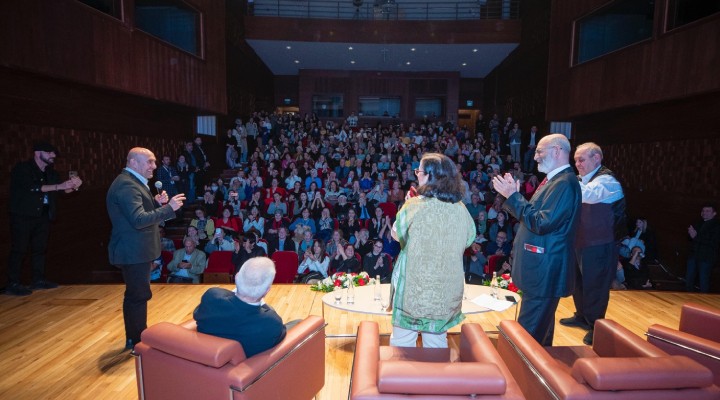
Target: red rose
361	282
511	287
506	276
338	282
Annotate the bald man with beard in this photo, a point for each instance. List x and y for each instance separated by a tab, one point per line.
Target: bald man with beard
135	239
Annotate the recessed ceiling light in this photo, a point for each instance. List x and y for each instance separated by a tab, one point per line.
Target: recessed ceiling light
475	50
464	64
350	48
412	49
407	63
297	61
352	62
288	47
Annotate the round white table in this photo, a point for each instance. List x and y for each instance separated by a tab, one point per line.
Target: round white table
365	303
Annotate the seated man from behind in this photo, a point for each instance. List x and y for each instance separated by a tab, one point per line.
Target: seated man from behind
243	316
187	264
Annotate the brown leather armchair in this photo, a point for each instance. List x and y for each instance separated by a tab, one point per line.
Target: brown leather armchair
177	362
619	366
386	372
697	337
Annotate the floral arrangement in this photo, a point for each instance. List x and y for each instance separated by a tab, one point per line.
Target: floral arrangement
504	281
342	279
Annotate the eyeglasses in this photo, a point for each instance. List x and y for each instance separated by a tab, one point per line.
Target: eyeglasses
418	171
542	150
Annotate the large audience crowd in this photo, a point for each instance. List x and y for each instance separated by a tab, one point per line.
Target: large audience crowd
330	192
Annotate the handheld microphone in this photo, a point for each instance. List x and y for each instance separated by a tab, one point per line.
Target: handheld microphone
158	186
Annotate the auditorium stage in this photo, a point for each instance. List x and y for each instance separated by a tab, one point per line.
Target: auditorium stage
66	343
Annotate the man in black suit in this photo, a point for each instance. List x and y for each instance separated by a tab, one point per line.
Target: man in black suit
543	251
135	238
243	316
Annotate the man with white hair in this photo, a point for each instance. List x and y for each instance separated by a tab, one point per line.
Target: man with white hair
602	227
543	251
243	315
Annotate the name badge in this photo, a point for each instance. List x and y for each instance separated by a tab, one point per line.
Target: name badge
534	249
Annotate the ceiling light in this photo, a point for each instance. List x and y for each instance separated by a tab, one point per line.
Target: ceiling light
352	62
464	64
288	47
350	48
407	63
297	61
475	50
412	49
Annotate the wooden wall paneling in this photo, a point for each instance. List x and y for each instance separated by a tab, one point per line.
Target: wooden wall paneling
68	40
407	86
674	64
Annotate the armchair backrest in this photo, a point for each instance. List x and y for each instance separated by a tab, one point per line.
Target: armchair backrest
614	340
177	362
700	320
191	345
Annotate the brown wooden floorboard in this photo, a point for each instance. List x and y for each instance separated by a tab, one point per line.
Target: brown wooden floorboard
66	343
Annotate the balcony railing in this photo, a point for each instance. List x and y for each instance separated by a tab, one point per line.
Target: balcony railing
387	9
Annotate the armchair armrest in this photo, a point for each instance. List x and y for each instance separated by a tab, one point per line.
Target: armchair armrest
684	340
413	377
191	345
701	321
641	373
365	365
613	340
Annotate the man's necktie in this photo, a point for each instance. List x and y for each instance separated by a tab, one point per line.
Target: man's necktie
544	181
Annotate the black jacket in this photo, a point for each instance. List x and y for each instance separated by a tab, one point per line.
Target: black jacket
26	198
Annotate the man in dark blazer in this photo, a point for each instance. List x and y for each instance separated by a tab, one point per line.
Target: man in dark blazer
243	316
543	251
135	238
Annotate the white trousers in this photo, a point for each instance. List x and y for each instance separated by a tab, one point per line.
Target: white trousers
401	337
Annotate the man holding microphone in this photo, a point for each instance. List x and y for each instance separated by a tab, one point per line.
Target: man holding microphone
135	239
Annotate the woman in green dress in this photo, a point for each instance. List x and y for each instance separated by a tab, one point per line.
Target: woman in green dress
434	229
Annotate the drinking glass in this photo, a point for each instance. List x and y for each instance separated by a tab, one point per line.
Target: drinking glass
337	292
383	303
73	174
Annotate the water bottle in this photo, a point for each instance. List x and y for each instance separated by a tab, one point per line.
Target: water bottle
377	295
494	286
351	294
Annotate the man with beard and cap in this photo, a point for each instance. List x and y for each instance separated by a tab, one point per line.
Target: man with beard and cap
33	187
543	251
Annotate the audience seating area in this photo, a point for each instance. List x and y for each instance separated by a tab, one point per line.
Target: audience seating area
177	362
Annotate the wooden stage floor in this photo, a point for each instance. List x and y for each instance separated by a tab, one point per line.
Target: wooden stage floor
65	343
